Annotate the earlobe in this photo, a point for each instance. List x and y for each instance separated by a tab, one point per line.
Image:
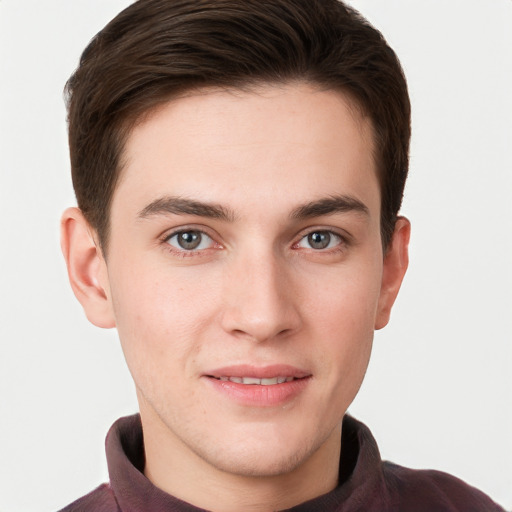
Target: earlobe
396	261
87	269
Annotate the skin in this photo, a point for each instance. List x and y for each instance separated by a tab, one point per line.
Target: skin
256	291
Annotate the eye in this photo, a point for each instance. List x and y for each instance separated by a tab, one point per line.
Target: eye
190	240
319	240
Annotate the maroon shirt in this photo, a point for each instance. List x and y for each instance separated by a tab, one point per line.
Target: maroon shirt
366	483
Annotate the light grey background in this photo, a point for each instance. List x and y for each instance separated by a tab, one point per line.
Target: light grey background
438	392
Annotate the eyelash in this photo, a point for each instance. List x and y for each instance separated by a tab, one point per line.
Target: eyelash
343	242
184	253
341	245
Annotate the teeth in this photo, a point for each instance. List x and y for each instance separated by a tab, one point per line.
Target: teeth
259	382
251	380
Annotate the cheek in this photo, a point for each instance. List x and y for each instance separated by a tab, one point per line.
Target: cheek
346	299
161	317
343	317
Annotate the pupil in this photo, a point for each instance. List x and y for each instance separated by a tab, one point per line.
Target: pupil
319	240
189	239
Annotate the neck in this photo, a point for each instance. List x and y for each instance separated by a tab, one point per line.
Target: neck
174	468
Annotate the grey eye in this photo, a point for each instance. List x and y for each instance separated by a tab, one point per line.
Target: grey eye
319	240
190	240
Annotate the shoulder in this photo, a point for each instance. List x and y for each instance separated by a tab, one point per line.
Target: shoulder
427	490
100	500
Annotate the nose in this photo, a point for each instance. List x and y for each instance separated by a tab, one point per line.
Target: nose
260	300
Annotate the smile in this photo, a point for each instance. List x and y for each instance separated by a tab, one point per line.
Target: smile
259	386
251	381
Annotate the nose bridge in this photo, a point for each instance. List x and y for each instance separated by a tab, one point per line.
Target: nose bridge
259	298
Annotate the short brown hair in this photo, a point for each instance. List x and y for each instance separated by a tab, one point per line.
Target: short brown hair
157	49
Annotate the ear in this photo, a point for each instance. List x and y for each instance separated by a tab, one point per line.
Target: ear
396	261
87	269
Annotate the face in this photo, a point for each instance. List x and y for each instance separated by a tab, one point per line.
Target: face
245	272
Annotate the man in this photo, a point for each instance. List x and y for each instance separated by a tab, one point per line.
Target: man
239	169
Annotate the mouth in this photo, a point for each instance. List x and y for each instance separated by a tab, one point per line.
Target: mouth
254	381
250	375
259	386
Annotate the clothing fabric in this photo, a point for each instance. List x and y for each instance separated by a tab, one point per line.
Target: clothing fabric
366	483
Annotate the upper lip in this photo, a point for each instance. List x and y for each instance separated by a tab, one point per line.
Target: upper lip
259	372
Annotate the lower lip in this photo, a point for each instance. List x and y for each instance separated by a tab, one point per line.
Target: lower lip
258	395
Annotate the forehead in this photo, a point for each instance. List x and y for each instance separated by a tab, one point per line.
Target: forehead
244	147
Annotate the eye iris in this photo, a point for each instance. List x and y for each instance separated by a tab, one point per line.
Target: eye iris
189	239
319	239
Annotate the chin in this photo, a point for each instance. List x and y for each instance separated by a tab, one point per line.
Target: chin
262	453
259	462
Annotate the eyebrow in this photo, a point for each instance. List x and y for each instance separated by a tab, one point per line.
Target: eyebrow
182	206
330	206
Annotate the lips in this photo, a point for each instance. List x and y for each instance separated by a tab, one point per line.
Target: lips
264	375
252	381
259	386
